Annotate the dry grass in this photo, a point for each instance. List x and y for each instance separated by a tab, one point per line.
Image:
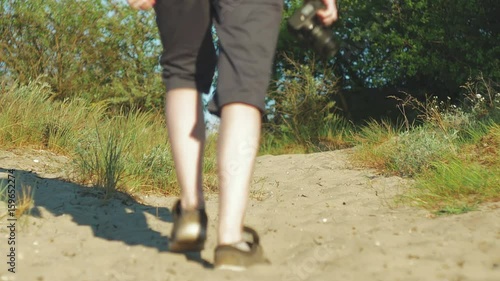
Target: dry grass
24	201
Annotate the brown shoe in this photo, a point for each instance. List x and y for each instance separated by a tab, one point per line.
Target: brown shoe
190	230
232	258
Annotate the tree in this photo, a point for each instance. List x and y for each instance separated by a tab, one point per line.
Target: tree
421	45
98	50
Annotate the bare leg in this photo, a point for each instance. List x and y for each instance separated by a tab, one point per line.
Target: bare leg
186	130
237	148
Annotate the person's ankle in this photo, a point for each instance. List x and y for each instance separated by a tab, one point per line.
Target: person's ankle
192	206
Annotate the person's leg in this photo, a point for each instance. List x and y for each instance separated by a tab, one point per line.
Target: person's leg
186	132
248	31
237	148
188	63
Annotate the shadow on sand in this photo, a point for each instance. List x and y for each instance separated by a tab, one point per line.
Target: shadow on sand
119	218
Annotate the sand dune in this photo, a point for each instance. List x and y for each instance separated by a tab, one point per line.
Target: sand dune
319	219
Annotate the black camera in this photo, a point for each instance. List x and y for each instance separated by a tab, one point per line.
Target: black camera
305	24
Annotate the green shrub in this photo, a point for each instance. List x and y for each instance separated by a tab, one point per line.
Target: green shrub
303	114
412	152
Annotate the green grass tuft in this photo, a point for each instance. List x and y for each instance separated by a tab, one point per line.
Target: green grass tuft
456	185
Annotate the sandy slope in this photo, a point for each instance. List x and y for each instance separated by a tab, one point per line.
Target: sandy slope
319	219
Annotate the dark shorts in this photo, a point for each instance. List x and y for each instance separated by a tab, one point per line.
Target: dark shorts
248	32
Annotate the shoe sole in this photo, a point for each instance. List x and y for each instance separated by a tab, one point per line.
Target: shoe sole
230	267
178	247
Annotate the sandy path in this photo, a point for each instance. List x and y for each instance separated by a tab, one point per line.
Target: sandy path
319	219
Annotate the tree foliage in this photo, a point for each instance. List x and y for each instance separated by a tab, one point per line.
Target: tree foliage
105	51
98	50
431	46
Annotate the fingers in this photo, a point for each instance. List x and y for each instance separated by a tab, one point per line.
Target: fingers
330	13
141	4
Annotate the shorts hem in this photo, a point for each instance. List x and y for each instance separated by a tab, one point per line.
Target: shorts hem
174	83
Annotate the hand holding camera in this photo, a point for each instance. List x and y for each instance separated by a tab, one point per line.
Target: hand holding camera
310	23
328	15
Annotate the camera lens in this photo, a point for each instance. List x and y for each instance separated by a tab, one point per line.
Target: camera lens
323	42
